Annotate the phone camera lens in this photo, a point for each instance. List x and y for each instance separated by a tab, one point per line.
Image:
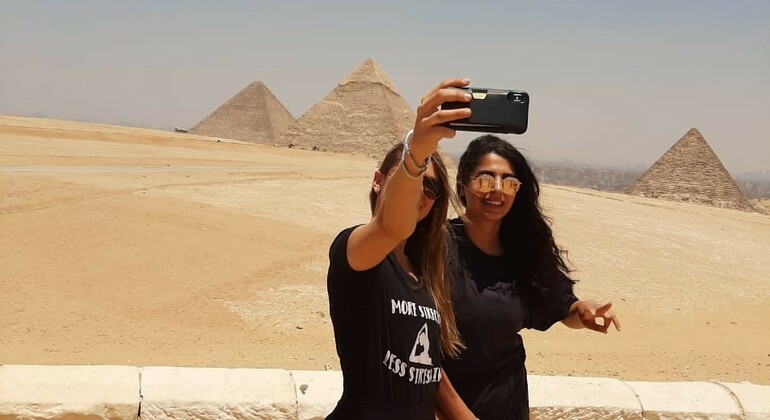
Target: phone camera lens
516	97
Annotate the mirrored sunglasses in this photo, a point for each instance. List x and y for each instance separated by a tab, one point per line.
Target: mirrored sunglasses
485	183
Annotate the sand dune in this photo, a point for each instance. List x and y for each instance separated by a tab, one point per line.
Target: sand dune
141	247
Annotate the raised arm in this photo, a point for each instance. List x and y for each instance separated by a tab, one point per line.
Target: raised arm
398	207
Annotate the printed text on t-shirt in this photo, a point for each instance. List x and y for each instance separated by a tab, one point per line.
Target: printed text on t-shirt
405	307
417	375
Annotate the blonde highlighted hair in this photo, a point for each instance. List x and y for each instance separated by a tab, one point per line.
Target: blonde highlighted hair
427	249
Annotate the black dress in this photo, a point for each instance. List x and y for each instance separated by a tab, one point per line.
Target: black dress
490	309
387	332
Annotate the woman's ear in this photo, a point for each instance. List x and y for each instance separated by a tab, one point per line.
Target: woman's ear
377	182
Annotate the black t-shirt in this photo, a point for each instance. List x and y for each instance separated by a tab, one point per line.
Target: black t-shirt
490	311
387	333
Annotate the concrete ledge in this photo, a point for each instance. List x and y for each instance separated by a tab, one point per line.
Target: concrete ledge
213	393
753	399
686	400
559	397
317	393
124	392
64	392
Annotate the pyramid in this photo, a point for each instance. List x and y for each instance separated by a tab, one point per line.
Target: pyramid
364	115
690	171
253	115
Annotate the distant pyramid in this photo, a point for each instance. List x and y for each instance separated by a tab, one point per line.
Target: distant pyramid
254	115
690	171
363	115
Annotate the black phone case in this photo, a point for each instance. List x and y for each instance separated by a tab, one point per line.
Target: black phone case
493	111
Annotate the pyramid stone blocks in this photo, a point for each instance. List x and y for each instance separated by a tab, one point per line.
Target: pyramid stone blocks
690	171
253	115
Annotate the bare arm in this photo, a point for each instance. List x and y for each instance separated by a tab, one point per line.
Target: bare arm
399	202
449	405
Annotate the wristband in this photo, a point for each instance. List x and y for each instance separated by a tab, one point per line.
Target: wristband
406	151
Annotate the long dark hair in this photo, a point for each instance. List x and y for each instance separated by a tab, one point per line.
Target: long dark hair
426	249
525	232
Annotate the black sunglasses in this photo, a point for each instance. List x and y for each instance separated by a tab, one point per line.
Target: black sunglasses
431	188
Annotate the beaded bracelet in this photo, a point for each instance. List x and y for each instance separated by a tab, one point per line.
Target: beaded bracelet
407	152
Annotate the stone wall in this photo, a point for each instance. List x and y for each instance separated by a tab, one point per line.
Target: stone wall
160	393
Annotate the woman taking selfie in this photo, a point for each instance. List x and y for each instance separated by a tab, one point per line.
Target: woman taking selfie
508	274
389	299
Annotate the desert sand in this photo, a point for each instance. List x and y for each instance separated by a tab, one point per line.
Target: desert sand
139	247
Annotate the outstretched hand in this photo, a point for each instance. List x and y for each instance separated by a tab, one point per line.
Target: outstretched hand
589	312
428	128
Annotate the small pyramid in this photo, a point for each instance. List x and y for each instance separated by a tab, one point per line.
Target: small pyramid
690	171
363	115
253	115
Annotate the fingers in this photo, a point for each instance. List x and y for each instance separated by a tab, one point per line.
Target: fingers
457	82
615	321
604	308
607	320
454	82
446	133
430	101
442	132
436	98
594	326
608	316
592	312
428	127
440	117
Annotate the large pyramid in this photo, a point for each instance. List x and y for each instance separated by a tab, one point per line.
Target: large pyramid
690	171
363	115
254	115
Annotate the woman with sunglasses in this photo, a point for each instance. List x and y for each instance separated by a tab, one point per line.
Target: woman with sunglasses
390	303
508	274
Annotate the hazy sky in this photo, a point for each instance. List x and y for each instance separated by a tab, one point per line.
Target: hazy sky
611	82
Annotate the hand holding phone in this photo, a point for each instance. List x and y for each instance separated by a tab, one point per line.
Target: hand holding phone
430	124
492	111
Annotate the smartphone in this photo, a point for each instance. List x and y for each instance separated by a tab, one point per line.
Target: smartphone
493	111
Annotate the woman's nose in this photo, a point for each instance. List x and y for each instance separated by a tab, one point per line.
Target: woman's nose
498	184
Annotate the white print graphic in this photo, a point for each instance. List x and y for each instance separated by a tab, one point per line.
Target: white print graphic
394	364
417	376
405	307
420	349
422	376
